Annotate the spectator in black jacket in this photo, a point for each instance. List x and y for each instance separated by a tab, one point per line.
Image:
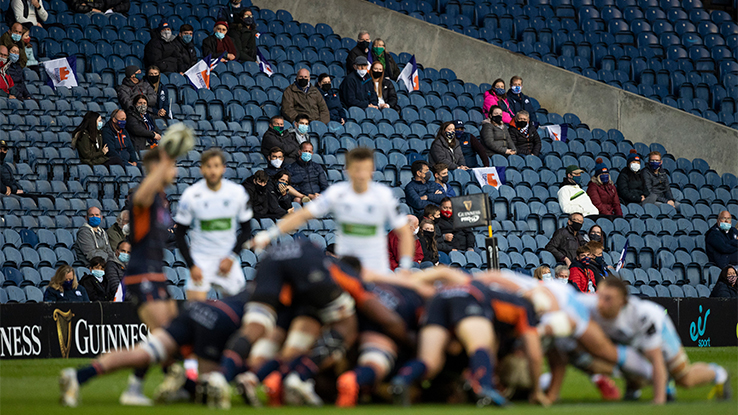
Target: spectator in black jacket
363	43
87	139
446	148
357	89
64	287
118	140
161	51
141	126
725	287
276	136
160	108
631	188
8	185
330	95
721	241
264	201
657	180
95	281
115	268
380	54
132	86
187	51
565	241
386	94
519	101
16	74
308	177
243	31
456	239
524	135
470	146
427	238
283	190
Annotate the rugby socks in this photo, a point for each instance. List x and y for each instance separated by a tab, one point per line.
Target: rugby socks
481	368
190	386
721	375
305	368
412	371
633	363
232	362
267	369
365	376
88	372
190	366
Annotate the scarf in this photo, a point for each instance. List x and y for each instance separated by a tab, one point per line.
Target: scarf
524	130
380	58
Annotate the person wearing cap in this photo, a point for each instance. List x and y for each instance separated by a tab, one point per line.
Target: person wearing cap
330	96
363	43
187	50
603	193
572	198
471	147
357	89
656	180
218	43
161	51
132	86
302	98
243	31
496	135
630	185
524	134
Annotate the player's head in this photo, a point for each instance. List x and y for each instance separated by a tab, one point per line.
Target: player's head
352	262
212	166
612	295
360	165
151	161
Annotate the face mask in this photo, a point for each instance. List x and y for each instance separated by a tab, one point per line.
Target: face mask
429	234
377	75
220	35
604	178
446	213
124	257
499	91
427	175
635	167
326	87
595	237
563	280
13	57
575	226
655	165
100	125
167	36
547	277
277	163
16	37
378	51
415	231
497	119
2	156
444	179
586	261
302	129
139	75
98	274
725	226
3	60
142	109
577	179
68	285
306	157
363	45
732	279
187	38
361	72
459	134
516	89
121	124
248	20
27	40
521	124
153	78
126	229
302	82
450	135
278	129
600	261
94	221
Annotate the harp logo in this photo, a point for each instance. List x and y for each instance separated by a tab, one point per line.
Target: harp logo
63	330
468	204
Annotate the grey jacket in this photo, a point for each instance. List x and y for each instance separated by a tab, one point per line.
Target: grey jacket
91	243
496	140
114	272
128	90
441	153
657	183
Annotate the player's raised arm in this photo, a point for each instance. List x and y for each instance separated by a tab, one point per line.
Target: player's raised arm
287	224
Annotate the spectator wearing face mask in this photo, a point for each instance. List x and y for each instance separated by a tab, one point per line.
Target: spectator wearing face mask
543	273
446	148
243	31
451	238
87	139
64	287
119	231
230	11
525	135
496	135
596	234
280	185
421	192
264	202
308	177
301	128
725	287
603	193
380	54
441	177
561	274
393	244
386	94
13	37
565	241
597	263
7	86
427	237
219	44
187	51
94	282
572	198
721	241
302	98
160	107
15	71
519	101
331	98
115	268
161	51
92	241
133	86
657	180
580	273
631	187
276	136
116	138
471	147
275	160
31	61
363	43
497	96
357	89
141	125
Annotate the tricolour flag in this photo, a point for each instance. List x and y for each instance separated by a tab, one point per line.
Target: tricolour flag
119	294
621	261
558	132
409	75
62	72
490	176
264	64
199	73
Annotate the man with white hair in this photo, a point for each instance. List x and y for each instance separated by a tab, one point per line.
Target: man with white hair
393	244
119	231
363	44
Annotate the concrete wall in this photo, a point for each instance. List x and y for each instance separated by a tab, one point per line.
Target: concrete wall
597	104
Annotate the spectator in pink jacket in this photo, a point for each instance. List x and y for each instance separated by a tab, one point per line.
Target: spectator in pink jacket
498	96
603	193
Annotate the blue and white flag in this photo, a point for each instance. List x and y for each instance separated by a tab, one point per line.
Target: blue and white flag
621	261
264	64
62	72
490	176
558	132
409	75
199	73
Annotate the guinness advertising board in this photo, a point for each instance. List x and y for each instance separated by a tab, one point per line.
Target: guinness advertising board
470	211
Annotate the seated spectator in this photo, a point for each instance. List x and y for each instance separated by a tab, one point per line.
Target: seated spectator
441	176
308	177
230	10
721	241
187	51
428	241
519	101
276	161
7	86
356	90
603	193
446	148
331	98
95	282
565	241
29	13
433	214
116	138
160	107
283	190
140	124
361	49
597	263
31	61
243	31
455	239
420	192
386	94
497	96
161	51
116	267
301	128
301	98
218	43
725	287
561	274
393	244
120	230
64	287
580	273
631	187
276	136
13	37
495	135
380	54
596	234
543	273
91	239
9	186
132	86
573	198
88	140
524	135
657	180
100	6
264	202
15	71
470	146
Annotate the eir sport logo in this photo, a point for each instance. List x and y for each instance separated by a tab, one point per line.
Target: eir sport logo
697	330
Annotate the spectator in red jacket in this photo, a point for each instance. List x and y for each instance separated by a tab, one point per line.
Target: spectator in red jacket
393	244
603	193
580	273
6	82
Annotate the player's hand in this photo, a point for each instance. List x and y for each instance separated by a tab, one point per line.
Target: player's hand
225	265
260	240
196	274
539	398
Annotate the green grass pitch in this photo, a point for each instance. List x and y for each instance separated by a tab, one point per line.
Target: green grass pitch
30	387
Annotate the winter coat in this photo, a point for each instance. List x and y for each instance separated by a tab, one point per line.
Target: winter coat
582	276
115	236
286	141
7	40
497	140
142	129
162	99
333	102
573	199
187	54
91	243
165	55
15	71
440	152
524	145
427	254
263	200
631	186
519	102
114	272
296	101
658	183
389	94
415	190
77	295
215	47
723	290
564	244
6	84
25	13
605	198
127	91
393	247
471	147
722	247
95	289
490	99
7	180
308	177
245	40
351	57
391	70
119	144
90	152
463	238
357	92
